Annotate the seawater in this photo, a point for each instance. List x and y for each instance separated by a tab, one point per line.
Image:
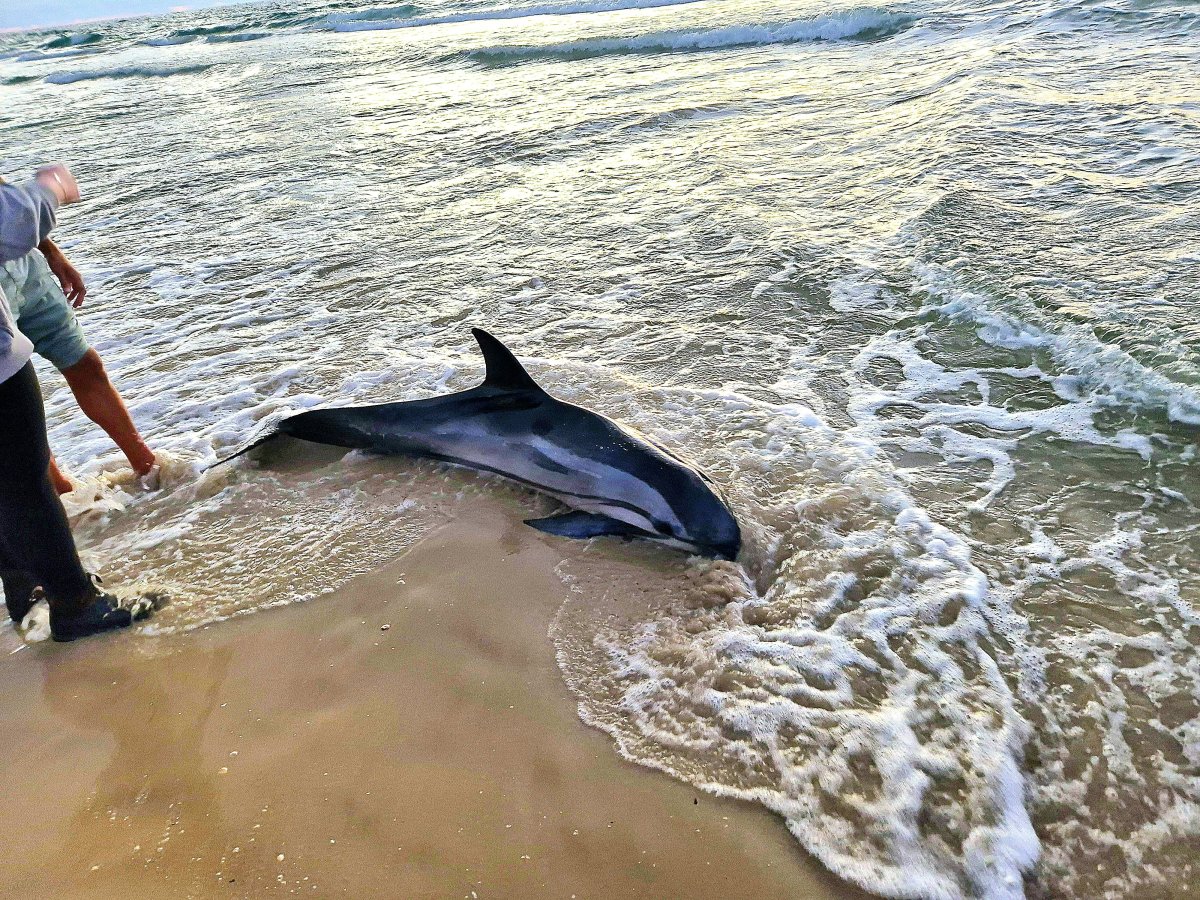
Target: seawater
916	282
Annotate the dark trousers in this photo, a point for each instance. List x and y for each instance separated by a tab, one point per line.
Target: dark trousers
36	547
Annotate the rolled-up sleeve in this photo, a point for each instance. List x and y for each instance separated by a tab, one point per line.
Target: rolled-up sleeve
27	214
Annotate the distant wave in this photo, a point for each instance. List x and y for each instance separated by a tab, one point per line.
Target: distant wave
364	22
166	41
863	24
39	55
72	40
208	30
126	72
237	38
229	33
252	29
214	38
372	14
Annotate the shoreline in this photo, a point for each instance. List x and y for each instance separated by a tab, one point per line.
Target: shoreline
310	749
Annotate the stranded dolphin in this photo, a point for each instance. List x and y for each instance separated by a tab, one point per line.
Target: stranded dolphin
615	481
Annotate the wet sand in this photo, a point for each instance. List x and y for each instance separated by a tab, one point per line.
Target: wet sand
408	735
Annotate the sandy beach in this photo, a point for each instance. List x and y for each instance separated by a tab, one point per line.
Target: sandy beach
407	735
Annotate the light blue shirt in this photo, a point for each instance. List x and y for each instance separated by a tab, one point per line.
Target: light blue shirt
27	214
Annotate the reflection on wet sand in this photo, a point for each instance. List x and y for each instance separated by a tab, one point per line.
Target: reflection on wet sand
154	816
312	750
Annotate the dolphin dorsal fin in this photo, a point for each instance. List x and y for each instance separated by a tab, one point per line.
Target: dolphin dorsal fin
503	370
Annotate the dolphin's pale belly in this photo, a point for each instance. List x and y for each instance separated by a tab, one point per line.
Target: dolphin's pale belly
578	481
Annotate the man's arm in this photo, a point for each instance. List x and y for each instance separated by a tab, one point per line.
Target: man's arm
68	276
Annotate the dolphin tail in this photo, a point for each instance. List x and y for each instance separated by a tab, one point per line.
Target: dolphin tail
268	428
246	448
503	369
321	426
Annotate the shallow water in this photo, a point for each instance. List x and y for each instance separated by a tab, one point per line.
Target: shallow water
916	283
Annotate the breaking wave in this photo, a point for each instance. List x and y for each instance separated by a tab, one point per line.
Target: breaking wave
1101	371
237	38
40	55
861	24
167	41
73	40
124	72
386	18
372	14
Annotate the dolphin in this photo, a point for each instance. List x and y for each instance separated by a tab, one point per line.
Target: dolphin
615	481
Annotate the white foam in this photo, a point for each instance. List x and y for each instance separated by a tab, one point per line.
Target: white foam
933	391
1099	560
815	695
1107	374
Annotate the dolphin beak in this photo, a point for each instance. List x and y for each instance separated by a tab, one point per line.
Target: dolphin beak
727	550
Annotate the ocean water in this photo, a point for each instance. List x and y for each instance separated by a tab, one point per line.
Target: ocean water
917	283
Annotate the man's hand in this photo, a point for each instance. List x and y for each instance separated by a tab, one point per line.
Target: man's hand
68	276
58	179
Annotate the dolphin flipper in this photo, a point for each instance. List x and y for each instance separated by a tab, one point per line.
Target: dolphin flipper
578	524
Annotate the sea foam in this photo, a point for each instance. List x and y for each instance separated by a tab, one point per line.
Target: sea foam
848	679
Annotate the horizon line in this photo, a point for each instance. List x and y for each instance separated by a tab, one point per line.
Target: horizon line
118	17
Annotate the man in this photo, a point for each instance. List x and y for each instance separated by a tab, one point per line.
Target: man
42	288
37	552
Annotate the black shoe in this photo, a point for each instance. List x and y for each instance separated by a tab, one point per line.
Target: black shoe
104	613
